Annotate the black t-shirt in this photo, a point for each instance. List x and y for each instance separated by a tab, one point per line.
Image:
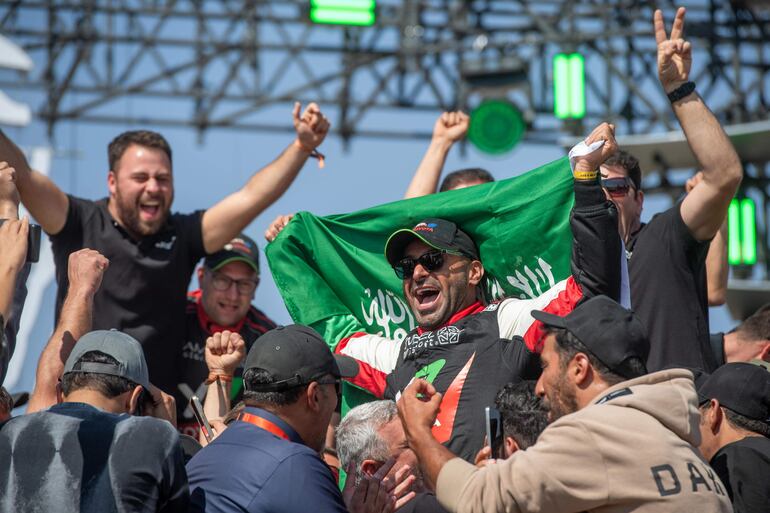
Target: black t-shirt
74	457
744	468
143	291
667	269
193	371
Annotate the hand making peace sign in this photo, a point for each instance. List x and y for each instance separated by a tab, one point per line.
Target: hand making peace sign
674	53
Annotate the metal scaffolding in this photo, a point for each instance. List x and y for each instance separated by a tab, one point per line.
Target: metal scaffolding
213	64
224	64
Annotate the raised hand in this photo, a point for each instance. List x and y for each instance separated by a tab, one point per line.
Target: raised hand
591	162
9	196
674	53
224	352
451	126
85	269
13	241
311	127
276	226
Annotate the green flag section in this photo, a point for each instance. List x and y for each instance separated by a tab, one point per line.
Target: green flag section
332	273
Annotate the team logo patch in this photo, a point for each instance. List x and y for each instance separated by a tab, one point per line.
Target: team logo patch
415	344
425	227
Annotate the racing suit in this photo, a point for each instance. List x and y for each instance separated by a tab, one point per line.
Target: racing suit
480	348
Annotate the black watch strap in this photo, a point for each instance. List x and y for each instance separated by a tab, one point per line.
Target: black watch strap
681	91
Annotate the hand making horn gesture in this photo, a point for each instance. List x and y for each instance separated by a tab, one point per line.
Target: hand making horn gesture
674	53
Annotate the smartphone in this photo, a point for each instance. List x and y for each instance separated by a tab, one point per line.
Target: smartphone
33	242
494	430
203	422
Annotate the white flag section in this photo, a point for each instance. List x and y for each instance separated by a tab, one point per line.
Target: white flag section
36	320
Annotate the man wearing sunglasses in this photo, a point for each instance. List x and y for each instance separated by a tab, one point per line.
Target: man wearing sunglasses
667	256
228	280
468	349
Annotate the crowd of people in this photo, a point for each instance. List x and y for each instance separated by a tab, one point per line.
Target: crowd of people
204	404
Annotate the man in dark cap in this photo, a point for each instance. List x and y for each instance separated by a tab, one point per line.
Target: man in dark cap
228	280
620	439
91	452
468	350
735	432
268	459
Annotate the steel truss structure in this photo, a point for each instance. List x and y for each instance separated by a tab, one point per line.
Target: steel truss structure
226	63
222	64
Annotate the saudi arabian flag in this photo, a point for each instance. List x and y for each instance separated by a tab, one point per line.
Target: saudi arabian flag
333	276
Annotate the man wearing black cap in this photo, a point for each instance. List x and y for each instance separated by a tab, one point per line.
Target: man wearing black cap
620	440
89	453
268	459
228	280
735	432
469	350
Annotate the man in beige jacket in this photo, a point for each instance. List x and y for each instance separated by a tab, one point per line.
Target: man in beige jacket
620	440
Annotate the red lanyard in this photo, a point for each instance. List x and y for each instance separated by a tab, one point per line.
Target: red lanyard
264	424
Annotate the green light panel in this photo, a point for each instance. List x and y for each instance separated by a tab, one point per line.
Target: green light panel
748	232
741	232
340	12
733	234
569	96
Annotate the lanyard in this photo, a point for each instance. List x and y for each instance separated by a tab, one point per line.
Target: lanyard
264	424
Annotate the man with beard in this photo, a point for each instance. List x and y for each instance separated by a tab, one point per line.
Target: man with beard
467	349
152	252
620	440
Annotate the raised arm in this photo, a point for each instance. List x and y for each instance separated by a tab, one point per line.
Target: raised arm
717	269
230	216
705	208
45	201
596	249
85	269
450	127
13	239
225	351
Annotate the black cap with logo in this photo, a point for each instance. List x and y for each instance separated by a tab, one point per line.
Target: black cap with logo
295	355
742	387
611	333
240	249
437	233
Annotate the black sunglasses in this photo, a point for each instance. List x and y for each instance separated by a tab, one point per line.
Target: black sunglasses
431	261
617	186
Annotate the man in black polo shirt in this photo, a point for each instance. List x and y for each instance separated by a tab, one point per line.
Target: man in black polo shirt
666	257
735	431
152	252
228	279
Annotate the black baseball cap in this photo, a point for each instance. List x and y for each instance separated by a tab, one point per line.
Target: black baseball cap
610	332
296	355
122	347
240	249
437	233
742	387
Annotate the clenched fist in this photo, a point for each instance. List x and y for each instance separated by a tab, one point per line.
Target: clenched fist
224	352
311	127
85	270
591	162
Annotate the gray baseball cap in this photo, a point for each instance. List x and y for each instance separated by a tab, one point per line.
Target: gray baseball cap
123	348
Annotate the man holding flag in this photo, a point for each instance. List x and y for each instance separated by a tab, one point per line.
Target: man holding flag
469	350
